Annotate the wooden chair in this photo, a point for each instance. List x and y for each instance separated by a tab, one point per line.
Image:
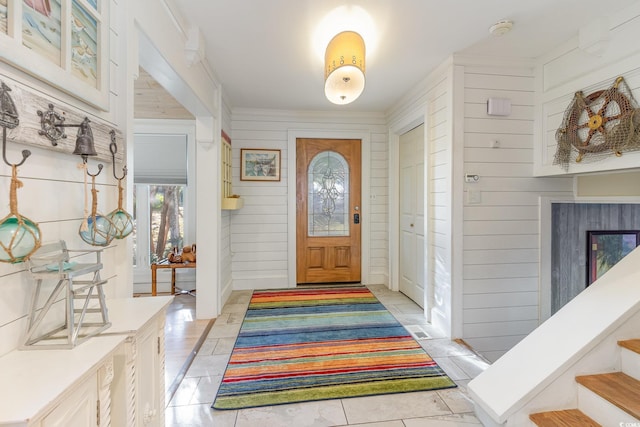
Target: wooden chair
78	284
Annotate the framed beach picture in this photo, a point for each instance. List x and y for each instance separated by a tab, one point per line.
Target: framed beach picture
606	248
259	165
61	42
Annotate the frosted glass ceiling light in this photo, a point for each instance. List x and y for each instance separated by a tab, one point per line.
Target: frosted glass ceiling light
344	65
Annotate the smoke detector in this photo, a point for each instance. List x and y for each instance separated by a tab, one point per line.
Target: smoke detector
501	27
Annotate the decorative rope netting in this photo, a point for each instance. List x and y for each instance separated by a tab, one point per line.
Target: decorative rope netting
598	125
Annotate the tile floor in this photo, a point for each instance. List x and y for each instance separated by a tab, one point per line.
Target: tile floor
191	403
182	332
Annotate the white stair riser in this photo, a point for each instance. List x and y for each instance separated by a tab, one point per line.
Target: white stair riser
630	363
601	410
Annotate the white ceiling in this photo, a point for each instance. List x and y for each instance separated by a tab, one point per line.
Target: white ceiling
262	51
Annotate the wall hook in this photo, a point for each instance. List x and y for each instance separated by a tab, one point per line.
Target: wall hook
113	147
97	173
25	153
9	119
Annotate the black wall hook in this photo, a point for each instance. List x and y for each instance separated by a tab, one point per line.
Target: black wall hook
113	147
25	153
9	119
97	173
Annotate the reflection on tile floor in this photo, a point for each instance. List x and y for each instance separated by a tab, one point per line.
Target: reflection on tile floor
191	404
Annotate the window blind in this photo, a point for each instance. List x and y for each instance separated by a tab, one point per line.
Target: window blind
160	159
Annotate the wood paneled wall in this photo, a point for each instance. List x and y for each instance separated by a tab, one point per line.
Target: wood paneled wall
570	223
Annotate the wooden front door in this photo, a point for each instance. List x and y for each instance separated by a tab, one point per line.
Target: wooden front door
328	212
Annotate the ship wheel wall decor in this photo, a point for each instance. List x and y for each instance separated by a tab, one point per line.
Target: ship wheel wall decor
597	125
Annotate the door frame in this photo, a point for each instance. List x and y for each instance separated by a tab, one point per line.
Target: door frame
417	118
365	138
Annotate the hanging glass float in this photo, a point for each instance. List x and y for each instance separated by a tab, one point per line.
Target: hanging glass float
121	220
19	236
96	229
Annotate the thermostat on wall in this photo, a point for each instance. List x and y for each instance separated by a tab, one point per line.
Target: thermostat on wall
498	106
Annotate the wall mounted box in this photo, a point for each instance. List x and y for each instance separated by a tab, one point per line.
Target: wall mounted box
498	106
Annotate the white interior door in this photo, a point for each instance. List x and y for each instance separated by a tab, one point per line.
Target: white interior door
412	242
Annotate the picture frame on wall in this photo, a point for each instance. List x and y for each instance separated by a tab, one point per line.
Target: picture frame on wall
64	43
259	165
606	247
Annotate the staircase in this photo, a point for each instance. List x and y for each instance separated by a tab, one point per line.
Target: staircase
609	399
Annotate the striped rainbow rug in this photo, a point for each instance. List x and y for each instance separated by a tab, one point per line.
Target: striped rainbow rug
302	344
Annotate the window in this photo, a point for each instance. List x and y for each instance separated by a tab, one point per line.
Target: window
161	209
164	200
328	198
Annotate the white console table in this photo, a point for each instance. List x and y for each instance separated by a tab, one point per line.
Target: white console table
115	378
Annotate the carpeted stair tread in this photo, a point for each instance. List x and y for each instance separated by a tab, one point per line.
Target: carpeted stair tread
566	418
618	388
633	345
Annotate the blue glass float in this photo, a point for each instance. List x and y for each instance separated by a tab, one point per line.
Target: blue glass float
98	230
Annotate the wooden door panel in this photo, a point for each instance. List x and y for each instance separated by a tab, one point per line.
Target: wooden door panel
328	259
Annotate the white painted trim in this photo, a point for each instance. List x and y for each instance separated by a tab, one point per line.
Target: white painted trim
410	121
394	203
365	137
207	148
492	61
457	103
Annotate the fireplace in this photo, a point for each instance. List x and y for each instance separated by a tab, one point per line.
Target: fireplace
571	225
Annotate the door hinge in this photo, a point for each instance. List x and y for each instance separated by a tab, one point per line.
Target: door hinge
158	345
98	412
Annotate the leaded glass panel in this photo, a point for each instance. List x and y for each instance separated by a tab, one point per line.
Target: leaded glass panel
328	198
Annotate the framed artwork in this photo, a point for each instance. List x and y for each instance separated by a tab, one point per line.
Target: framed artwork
259	165
61	42
606	248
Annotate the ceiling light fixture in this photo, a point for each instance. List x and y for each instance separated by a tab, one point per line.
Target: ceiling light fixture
344	65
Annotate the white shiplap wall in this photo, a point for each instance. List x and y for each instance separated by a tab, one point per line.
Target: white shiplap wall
53	191
431	103
568	69
439	196
259	235
501	232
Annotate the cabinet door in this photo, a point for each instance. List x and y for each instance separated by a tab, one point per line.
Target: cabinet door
150	376
80	409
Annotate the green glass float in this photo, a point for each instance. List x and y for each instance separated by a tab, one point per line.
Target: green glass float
121	219
19	236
